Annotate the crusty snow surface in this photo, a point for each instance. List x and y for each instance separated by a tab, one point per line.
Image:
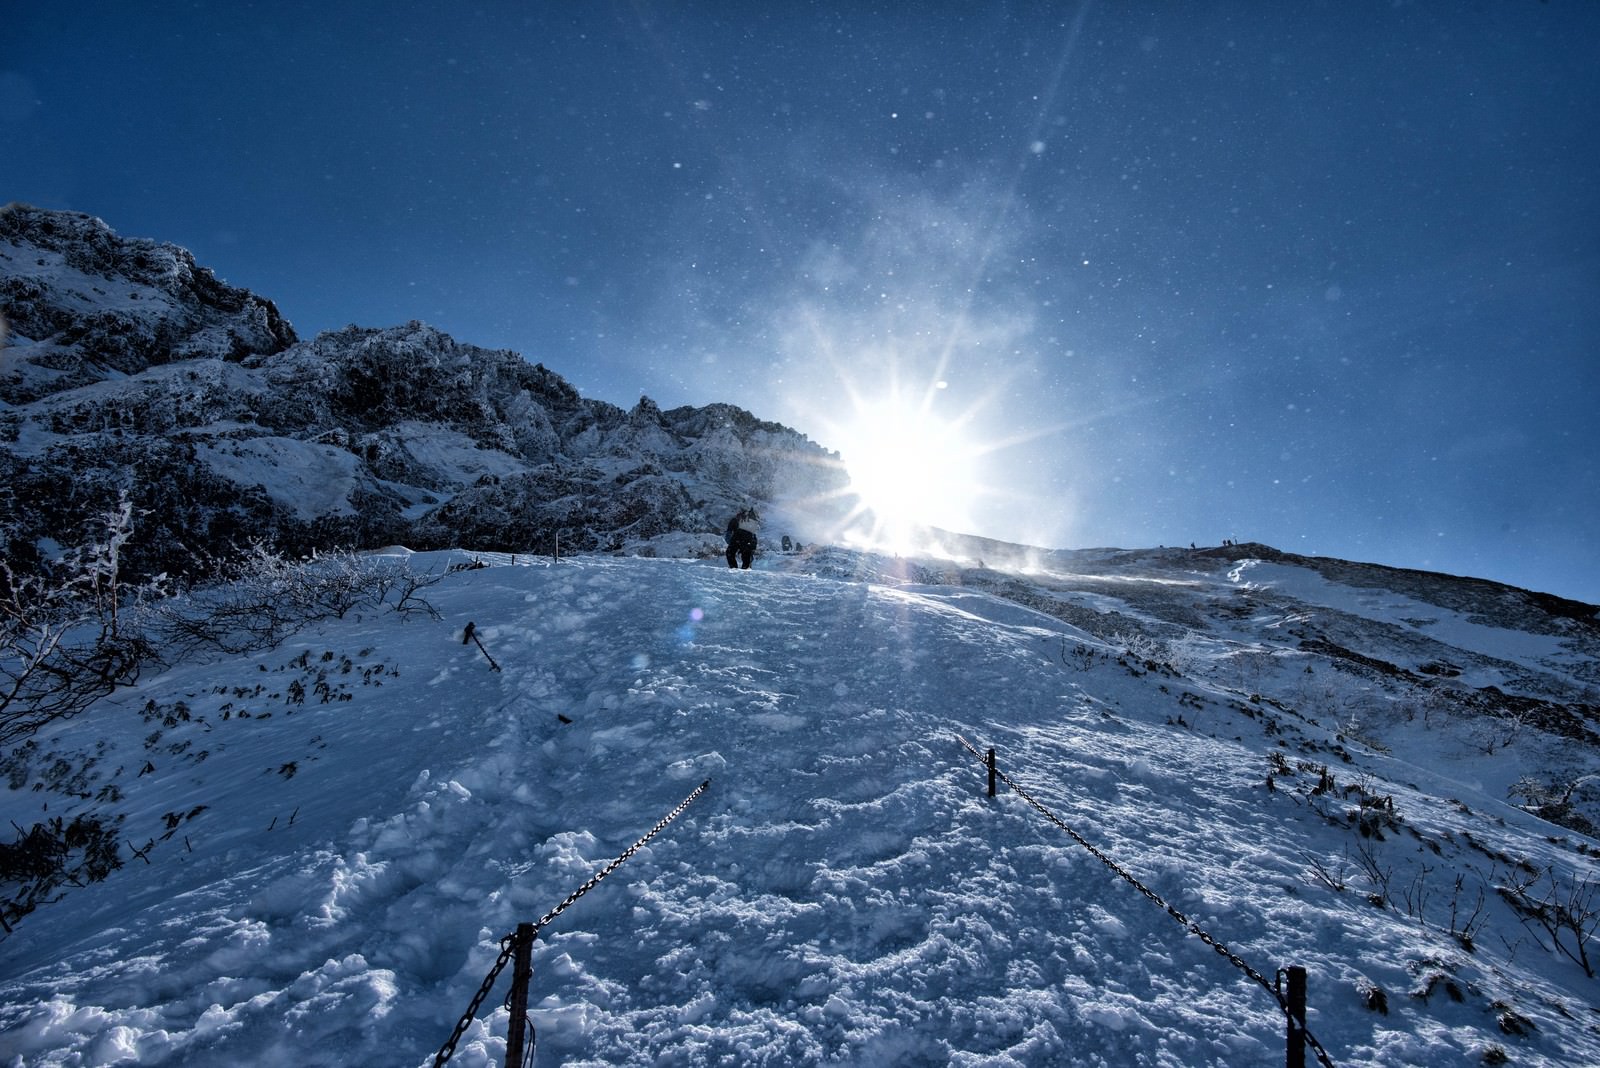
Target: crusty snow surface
340	870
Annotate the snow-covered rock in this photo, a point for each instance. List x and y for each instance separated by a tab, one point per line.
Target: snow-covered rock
84	304
130	369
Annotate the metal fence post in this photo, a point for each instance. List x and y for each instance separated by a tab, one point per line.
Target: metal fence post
991	772
521	972
1295	1052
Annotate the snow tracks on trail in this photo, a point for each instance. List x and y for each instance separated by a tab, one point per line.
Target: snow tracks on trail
845	893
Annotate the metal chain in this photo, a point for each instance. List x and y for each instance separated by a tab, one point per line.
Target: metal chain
446	1051
508	943
1193	927
615	864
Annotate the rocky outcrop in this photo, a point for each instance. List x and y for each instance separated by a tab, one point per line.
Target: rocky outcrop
83	304
130	369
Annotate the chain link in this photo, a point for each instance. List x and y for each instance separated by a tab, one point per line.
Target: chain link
626	854
448	1050
508	943
1193	927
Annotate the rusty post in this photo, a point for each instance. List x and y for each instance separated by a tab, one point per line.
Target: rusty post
522	969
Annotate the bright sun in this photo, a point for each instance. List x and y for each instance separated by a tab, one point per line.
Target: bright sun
908	467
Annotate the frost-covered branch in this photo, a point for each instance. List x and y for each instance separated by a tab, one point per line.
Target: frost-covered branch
63	639
265	597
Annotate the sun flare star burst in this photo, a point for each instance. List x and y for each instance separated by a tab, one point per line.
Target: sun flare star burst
908	467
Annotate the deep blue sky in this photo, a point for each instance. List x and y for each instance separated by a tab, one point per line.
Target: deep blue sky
1325	275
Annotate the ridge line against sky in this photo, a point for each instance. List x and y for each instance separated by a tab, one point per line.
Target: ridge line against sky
1317	275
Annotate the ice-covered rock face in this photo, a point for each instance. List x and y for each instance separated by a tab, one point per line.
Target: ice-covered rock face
129	368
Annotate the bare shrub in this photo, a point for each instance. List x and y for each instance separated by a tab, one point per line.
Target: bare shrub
1143	652
50	855
1500	728
1566	909
73	636
266	597
1079	656
1556	800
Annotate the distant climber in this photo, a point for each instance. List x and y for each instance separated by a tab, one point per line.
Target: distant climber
741	536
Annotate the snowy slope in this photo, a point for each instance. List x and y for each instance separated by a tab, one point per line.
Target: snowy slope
339	873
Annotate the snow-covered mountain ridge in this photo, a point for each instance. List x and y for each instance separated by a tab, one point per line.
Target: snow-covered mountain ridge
130	369
340	828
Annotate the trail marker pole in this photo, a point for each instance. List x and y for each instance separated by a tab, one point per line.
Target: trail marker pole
1295	1053
1292	1002
471	635
521	973
520	944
